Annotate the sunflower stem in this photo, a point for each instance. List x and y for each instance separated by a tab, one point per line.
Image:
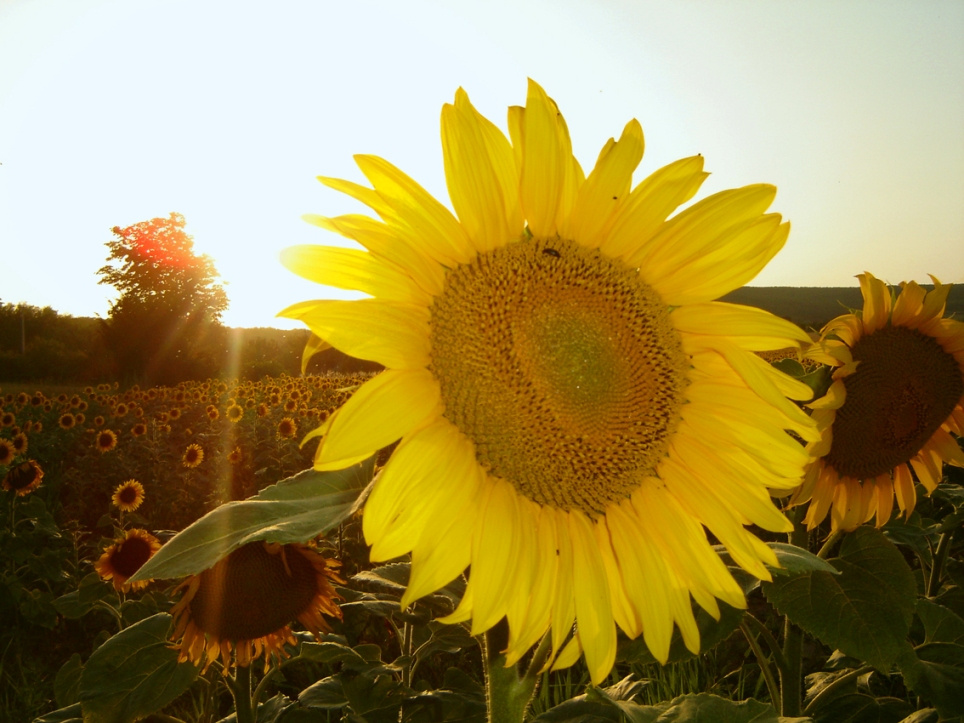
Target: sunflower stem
771	641
506	694
791	677
828	546
765	669
241	690
937	569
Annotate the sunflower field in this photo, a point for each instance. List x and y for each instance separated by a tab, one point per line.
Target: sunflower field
582	487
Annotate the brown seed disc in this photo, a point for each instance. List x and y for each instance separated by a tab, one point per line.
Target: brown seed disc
562	367
904	388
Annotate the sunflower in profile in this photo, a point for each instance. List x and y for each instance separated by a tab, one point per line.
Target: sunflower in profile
23	478
125	557
896	399
246	602
128	496
106	440
573	405
7	451
193	455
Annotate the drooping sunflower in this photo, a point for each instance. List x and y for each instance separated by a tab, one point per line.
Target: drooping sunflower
126	556
106	440
193	455
246	602
128	496
897	397
24	478
574	408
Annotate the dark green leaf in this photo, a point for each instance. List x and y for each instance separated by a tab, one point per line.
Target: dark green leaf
67	682
293	510
794	560
940	624
70	714
935	672
862	708
326	694
133	674
865	611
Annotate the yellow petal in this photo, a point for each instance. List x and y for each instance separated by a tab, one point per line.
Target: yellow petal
384	409
416	213
876	295
384	243
746	326
346	268
546	162
648	206
606	187
909	304
481	175
594	615
393	334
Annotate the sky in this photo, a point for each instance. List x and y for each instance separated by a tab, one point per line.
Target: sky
117	111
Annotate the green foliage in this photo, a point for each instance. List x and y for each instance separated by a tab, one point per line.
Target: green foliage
165	325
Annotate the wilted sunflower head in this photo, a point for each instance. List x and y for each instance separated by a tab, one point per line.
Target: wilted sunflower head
574	408
128	496
193	456
246	602
125	557
896	399
24	478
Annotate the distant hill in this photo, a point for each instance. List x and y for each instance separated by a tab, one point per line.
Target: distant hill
814	306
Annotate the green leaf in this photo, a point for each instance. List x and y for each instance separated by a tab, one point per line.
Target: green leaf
293	510
67	682
862	708
794	560
133	674
940	624
865	611
790	367
935	672
70	714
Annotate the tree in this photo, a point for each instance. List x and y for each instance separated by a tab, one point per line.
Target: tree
165	325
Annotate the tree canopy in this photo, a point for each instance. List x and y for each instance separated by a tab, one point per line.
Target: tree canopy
165	324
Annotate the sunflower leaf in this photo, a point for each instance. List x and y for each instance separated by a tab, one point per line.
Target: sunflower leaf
794	560
935	672
133	674
865	610
294	510
599	705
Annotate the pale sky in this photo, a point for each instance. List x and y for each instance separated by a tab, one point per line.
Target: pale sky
117	111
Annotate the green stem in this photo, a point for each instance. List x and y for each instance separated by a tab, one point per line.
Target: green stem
407	641
937	568
765	668
770	641
263	684
241	690
791	677
827	546
507	695
828	692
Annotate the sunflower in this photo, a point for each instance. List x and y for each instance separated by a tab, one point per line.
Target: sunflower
573	406
193	455
897	397
234	413
287	428
139	429
8	419
7	451
66	420
106	440
235	455
128	496
19	443
23	478
246	602
125	557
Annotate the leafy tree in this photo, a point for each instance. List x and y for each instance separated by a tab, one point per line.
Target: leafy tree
165	325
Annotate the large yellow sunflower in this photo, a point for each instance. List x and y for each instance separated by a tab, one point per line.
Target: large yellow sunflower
897	397
574	408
